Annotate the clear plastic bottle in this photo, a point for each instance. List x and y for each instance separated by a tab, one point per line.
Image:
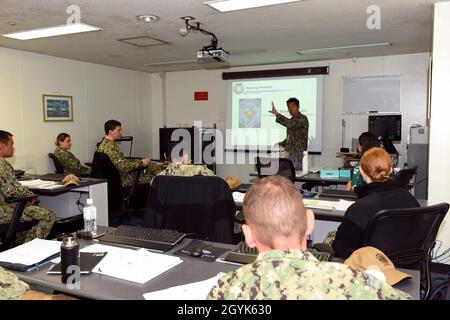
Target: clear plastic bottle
305	168
90	217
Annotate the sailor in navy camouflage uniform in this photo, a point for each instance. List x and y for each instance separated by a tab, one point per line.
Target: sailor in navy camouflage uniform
11	188
113	131
296	131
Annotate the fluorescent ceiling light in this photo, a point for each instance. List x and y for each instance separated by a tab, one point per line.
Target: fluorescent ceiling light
345	49
52	31
231	5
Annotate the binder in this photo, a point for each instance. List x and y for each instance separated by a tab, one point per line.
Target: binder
30	255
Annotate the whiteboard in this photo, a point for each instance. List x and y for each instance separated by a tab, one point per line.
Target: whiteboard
371	94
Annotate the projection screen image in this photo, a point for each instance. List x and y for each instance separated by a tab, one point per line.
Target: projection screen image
254	127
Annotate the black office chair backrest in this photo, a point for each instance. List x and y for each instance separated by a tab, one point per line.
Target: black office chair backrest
407	236
404	177
275	166
122	201
59	168
103	168
200	205
8	230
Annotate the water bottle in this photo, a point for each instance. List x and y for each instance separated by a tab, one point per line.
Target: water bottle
90	217
70	259
305	162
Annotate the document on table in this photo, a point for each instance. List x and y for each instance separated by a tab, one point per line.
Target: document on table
132	265
238	196
40	184
340	205
30	254
191	291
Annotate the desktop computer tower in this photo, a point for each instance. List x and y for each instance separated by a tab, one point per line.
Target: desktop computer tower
418	157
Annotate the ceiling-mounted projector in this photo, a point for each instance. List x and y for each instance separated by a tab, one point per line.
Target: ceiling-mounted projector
209	56
214	55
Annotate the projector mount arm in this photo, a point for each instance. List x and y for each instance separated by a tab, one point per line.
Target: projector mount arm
196	27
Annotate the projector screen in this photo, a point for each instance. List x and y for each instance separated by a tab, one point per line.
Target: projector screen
253	127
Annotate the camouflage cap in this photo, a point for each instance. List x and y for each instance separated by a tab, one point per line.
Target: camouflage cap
71	179
370	258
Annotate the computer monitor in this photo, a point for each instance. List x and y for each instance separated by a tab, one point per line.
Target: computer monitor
388	127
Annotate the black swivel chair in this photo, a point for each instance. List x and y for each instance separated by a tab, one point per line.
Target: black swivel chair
404	177
275	166
123	203
200	205
8	230
407	237
59	168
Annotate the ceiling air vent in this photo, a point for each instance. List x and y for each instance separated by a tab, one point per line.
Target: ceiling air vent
143	42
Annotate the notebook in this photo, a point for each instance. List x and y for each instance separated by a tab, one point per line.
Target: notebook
88	261
30	255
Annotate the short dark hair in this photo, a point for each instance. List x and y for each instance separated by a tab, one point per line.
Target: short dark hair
365	135
111	125
4	136
61	137
294	100
369	143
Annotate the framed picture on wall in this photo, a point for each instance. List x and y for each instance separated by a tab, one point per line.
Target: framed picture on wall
57	108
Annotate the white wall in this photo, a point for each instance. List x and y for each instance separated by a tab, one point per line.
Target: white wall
99	93
182	110
439	159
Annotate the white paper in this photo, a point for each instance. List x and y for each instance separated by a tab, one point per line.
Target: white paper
238	196
343	205
319	204
41	184
132	265
31	253
191	291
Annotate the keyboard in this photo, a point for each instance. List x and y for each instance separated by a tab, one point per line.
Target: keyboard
154	239
339	194
243	254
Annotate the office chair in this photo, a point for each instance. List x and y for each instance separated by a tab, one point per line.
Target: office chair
123	203
200	205
404	177
275	166
407	237
441	292
8	230
59	168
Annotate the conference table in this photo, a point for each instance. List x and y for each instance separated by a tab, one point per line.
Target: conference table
97	286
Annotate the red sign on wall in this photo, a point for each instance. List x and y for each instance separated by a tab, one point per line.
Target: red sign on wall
200	95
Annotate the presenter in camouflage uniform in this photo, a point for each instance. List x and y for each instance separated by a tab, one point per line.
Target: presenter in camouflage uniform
179	164
277	224
70	163
11	188
296	131
113	131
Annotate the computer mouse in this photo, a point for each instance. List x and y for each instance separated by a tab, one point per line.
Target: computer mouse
196	252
